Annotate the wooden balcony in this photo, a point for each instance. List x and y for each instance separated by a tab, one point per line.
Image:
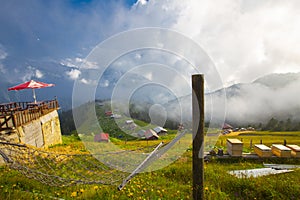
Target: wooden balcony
16	114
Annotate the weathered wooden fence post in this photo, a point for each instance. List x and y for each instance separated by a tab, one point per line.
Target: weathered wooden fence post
198	135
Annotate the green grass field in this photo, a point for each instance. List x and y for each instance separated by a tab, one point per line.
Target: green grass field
266	137
171	182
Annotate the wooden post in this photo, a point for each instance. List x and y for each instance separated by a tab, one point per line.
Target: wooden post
198	136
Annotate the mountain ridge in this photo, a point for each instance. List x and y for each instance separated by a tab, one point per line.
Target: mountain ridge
273	95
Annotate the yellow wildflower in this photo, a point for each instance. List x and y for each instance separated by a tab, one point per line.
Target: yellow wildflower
74	194
96	187
130	194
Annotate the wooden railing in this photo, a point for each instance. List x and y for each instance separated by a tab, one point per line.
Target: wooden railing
19	113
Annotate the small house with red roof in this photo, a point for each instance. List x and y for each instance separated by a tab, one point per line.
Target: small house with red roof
108	113
227	128
101	137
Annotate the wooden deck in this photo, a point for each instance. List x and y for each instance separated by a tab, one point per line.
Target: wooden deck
16	114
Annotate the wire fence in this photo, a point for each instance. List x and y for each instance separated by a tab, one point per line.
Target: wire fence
60	169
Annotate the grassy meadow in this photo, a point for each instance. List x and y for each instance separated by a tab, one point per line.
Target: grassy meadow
173	181
256	137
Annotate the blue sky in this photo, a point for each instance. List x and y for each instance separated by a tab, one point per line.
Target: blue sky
39	29
51	40
246	39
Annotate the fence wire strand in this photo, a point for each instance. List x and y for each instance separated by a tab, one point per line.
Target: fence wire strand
60	169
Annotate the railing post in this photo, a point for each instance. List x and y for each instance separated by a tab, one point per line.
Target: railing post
14	120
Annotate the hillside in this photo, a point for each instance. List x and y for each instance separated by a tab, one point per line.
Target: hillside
270	96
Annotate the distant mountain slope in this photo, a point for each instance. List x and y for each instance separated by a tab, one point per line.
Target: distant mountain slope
278	80
274	95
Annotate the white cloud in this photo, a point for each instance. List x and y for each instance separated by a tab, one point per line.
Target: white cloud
252	39
30	73
252	99
38	74
246	39
138	56
68	62
3	55
88	65
79	63
88	82
84	81
2	68
141	2
104	83
27	76
73	74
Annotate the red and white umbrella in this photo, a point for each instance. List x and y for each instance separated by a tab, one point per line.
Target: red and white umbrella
31	85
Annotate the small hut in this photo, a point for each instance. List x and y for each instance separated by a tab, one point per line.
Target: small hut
115	116
227	128
127	122
151	135
108	113
141	133
101	137
160	130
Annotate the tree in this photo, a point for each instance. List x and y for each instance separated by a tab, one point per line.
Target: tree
296	127
288	125
280	126
271	124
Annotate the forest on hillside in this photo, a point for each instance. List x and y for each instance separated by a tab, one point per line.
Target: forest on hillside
68	127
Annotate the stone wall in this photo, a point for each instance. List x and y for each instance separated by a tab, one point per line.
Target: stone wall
42	132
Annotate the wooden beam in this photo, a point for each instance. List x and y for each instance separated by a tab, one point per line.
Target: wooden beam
198	135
